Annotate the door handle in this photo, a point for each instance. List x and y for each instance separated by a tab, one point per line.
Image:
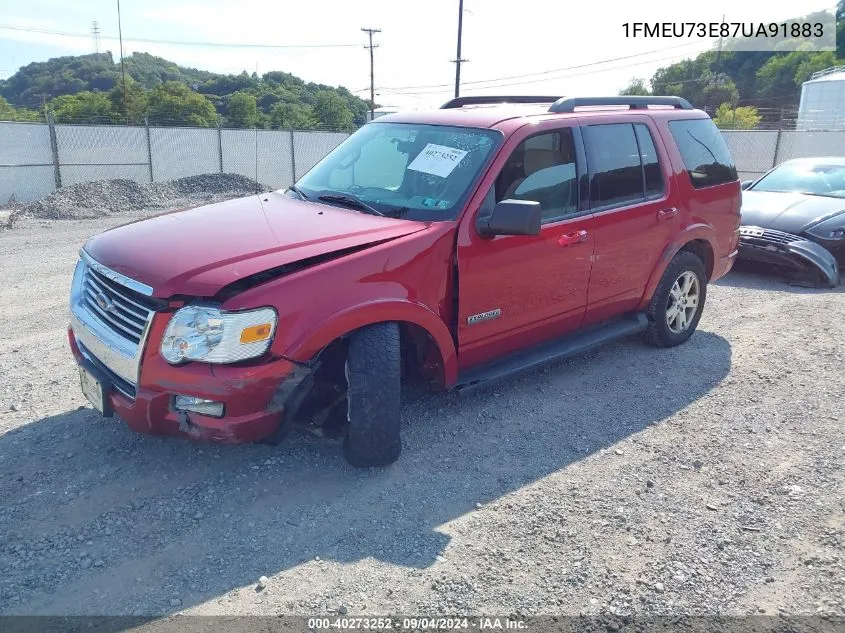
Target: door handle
575	237
666	214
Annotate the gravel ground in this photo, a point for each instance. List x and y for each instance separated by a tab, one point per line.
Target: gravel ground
705	479
107	197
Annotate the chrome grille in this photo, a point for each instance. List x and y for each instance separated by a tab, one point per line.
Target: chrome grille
757	235
122	309
110	315
780	237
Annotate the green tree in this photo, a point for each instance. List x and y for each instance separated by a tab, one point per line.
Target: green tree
83	107
686	79
718	90
242	111
331	111
292	116
173	102
136	102
776	78
7	112
840	29
150	71
814	63
729	117
34	83
636	87
41	81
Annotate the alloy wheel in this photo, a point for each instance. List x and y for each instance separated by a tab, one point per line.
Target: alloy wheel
683	302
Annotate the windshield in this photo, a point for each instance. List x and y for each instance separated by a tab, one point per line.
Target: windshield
818	179
420	172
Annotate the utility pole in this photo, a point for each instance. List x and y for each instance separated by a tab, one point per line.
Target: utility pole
719	55
122	69
458	59
95	35
372	72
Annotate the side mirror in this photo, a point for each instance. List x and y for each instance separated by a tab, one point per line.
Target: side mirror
512	217
746	184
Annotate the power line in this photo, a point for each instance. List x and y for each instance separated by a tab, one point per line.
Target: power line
372	72
9	27
545	72
531	81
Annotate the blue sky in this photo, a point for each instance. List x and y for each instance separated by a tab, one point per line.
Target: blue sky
502	38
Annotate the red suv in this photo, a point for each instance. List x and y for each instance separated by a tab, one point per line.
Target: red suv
454	247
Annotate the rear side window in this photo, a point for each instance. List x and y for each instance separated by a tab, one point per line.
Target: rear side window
623	163
652	176
704	151
614	159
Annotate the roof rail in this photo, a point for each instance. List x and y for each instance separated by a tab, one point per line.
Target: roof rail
633	103
460	102
827	71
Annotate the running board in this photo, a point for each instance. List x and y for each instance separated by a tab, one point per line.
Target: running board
558	349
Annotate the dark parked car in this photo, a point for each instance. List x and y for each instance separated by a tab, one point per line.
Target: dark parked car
794	218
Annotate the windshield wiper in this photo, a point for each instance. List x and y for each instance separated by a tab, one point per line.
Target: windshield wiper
298	192
350	201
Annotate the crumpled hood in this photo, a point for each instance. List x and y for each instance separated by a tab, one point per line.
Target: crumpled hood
788	212
199	251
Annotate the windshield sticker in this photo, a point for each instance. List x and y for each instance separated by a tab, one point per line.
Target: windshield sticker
437	160
434	203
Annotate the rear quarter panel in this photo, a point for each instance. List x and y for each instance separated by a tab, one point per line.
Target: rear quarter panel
711	214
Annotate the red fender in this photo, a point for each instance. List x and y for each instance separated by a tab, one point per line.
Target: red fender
692	232
309	344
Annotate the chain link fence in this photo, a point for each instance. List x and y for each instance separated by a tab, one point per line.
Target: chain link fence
37	158
757	151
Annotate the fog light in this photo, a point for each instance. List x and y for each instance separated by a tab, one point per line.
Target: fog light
198	405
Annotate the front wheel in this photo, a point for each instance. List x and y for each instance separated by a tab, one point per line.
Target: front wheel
373	376
675	309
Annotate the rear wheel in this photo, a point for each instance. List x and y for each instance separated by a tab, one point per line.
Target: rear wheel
675	309
373	375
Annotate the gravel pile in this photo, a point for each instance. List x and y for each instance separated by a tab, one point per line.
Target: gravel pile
106	197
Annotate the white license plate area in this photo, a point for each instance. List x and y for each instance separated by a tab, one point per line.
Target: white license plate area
93	390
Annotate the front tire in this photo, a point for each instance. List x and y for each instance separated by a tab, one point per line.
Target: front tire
676	306
373	375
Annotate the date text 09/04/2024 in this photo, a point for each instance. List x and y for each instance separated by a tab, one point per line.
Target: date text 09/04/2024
417	624
676	30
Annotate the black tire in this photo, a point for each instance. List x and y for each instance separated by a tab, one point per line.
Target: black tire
373	375
659	332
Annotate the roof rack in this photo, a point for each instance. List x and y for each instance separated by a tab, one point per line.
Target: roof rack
460	102
569	104
828	71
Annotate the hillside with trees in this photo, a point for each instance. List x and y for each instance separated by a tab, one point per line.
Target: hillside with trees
744	89
89	89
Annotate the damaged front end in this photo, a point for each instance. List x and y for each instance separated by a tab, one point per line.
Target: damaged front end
805	261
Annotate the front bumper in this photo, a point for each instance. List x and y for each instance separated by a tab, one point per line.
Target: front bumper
789	251
252	396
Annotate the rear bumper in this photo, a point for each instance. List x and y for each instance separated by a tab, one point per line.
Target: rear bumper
723	266
253	408
789	251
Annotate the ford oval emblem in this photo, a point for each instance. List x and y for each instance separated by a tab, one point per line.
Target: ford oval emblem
104	302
